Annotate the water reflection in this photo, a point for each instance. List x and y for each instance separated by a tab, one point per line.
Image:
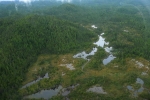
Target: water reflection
130	88
140	81
46	94
108	49
108	59
135	92
84	55
101	43
66	91
93	26
33	82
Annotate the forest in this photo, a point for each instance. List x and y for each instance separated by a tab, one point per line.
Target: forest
42	34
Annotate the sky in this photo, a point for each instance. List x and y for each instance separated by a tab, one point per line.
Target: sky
34	0
15	0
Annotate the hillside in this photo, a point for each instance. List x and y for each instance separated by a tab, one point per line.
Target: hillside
88	50
24	39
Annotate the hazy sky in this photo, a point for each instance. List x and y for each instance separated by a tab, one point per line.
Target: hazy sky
19	0
37	0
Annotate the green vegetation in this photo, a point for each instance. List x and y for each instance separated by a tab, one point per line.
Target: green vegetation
24	39
43	84
96	62
36	40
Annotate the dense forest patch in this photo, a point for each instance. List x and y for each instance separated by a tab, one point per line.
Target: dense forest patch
24	39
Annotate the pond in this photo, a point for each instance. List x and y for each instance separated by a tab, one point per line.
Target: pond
93	26
66	91
108	59
135	92
46	94
100	43
33	82
84	55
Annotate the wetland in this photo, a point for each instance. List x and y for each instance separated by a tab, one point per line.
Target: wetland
75	50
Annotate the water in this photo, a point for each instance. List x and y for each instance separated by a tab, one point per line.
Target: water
46	94
130	88
139	81
108	59
33	82
108	49
141	89
93	26
84	55
66	91
100	43
93	51
137	91
102	34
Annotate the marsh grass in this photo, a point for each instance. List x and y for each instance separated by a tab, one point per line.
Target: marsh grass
113	77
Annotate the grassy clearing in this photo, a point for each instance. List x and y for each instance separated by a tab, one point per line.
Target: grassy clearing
113	77
52	64
43	61
116	78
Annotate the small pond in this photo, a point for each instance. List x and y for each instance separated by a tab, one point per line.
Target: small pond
108	59
100	43
46	94
33	82
84	55
135	92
